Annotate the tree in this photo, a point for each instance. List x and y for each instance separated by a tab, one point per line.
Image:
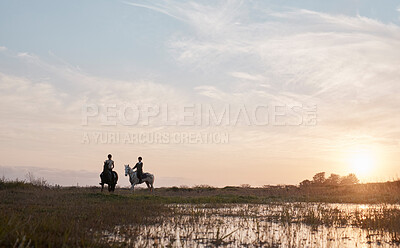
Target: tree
305	183
333	179
349	179
319	178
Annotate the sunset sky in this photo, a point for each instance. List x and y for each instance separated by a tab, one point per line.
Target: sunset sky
309	86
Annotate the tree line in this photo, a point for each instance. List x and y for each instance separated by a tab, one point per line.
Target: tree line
319	179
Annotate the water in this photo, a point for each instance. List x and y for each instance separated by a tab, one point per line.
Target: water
260	225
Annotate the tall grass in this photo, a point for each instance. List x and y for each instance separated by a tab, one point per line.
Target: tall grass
37	214
31	216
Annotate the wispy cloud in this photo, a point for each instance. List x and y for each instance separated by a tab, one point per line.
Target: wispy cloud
163	9
247	76
344	64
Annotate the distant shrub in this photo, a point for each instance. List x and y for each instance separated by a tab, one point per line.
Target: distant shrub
174	188
349	179
40	181
231	187
305	183
319	178
12	184
333	180
204	186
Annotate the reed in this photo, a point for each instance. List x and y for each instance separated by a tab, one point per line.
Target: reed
41	215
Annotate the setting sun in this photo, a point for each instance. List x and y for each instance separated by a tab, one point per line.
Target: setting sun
362	163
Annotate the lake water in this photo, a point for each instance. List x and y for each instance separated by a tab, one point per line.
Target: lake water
264	225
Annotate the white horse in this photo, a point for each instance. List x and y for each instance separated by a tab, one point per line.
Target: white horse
133	179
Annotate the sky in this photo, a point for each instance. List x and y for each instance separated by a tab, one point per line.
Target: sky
207	92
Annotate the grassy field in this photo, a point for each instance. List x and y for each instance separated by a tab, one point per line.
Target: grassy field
370	193
42	216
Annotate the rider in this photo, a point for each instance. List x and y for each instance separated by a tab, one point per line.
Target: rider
108	166
139	171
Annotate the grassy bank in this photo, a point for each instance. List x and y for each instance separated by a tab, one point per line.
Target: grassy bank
371	193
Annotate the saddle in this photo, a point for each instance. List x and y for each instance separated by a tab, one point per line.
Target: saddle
106	177
145	175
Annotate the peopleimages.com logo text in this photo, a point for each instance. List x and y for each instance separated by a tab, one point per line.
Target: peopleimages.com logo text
199	115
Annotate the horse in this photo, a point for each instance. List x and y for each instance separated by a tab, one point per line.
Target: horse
133	179
106	180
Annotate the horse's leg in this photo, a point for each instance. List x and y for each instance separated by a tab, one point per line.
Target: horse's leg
148	185
133	188
115	176
102	186
113	186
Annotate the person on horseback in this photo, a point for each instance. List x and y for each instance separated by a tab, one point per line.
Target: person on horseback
107	169
139	169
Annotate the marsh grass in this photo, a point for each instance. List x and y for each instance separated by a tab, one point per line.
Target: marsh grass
379	222
71	217
40	215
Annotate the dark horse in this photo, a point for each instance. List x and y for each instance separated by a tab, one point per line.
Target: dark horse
106	180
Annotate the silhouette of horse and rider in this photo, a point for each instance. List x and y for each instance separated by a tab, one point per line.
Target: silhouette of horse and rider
110	177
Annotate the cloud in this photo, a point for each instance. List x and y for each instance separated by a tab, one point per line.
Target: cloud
16	92
25	55
211	92
247	76
42	109
158	8
348	66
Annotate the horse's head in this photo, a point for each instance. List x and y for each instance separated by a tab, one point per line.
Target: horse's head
127	169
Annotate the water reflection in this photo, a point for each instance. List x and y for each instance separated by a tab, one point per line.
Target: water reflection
260	225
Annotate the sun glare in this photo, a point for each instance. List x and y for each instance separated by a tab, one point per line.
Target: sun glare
362	163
